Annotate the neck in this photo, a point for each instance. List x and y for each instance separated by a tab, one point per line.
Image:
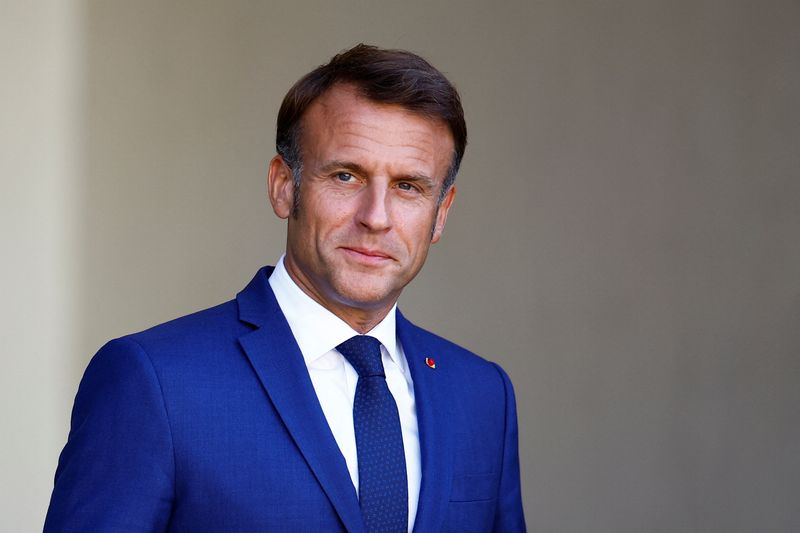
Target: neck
362	318
362	324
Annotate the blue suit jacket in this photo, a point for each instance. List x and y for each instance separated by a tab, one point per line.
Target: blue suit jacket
210	423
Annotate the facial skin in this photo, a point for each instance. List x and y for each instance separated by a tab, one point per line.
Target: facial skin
372	175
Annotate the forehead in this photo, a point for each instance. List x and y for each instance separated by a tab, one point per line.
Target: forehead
342	123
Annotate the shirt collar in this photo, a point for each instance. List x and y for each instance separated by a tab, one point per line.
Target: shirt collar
317	330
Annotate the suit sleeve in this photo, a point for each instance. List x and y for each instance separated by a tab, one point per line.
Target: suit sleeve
116	472
509	515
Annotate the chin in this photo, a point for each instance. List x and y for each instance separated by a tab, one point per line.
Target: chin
366	297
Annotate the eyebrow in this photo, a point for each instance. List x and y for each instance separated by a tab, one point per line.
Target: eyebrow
330	166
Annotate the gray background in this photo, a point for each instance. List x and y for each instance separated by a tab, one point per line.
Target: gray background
625	239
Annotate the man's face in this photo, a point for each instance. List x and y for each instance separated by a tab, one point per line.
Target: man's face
368	210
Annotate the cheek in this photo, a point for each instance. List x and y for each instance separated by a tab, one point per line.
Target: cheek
417	233
327	222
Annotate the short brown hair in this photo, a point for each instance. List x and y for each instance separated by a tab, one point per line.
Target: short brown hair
383	76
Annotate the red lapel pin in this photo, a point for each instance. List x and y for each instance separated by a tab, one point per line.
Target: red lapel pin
430	362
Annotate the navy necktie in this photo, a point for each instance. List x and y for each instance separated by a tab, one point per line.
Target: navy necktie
382	482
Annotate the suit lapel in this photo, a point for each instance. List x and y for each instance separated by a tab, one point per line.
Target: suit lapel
435	431
279	365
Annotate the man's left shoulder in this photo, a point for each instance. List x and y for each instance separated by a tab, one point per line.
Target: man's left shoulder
452	360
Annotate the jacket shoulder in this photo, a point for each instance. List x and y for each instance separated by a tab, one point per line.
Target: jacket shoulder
461	362
197	332
210	317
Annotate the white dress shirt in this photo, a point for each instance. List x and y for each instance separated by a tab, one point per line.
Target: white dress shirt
318	332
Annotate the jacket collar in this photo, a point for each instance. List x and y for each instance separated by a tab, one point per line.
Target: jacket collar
280	367
434	420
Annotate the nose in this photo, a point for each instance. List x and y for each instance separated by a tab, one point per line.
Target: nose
373	210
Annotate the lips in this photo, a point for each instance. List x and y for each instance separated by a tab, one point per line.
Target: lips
367	254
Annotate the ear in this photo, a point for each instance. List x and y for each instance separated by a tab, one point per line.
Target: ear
280	186
441	216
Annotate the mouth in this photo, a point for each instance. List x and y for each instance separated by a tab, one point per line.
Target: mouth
366	255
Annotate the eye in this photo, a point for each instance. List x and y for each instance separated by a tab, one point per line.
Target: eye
345	177
405	186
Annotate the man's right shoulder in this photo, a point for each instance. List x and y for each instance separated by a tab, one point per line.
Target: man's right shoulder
199	332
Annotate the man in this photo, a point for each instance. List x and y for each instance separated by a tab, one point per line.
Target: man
309	403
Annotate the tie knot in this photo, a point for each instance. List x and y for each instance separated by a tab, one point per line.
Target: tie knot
364	353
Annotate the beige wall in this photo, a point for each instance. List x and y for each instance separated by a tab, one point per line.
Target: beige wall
40	151
624	242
